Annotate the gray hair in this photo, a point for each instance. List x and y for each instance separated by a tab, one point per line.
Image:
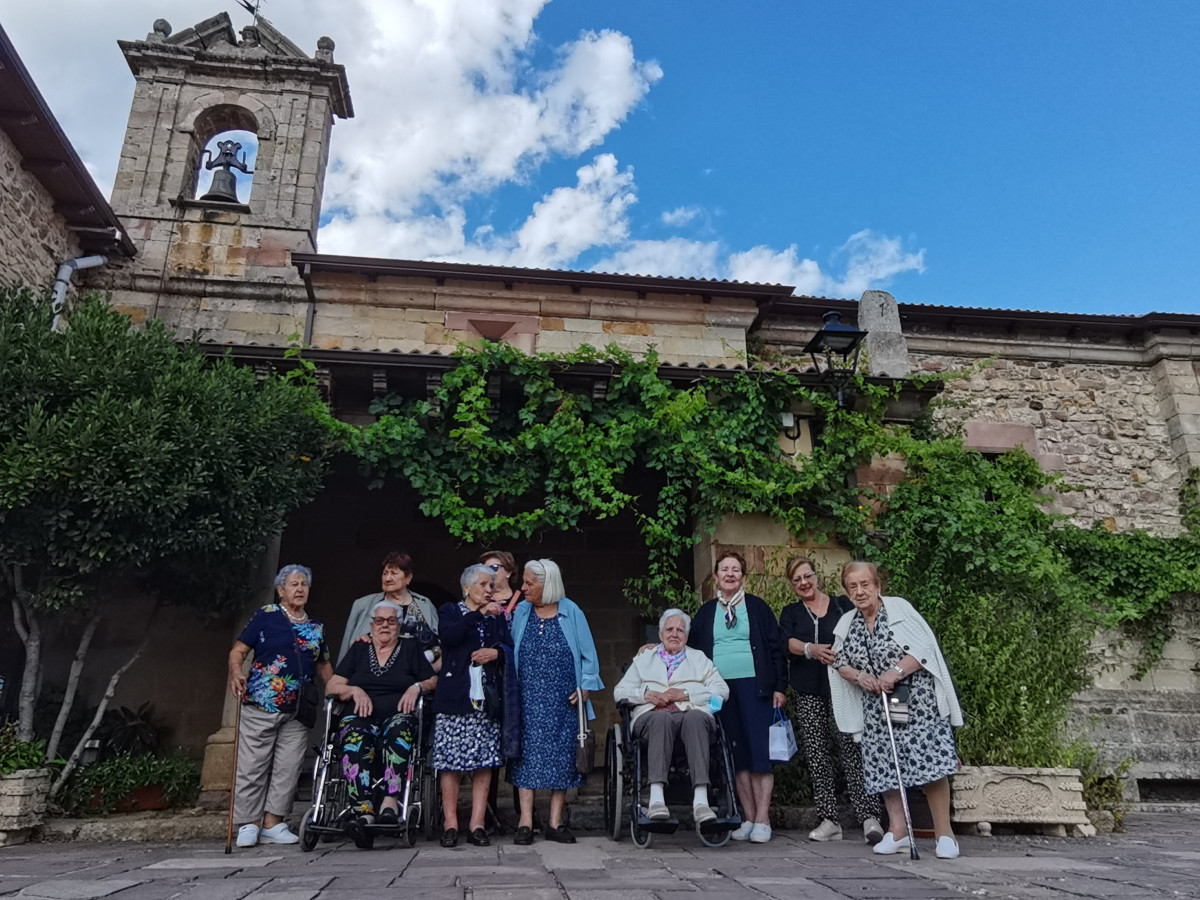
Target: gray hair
549	576
472	572
672	614
282	577
387	604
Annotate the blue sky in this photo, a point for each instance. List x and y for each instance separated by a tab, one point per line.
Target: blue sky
1015	155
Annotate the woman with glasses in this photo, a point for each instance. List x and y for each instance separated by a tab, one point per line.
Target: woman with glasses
382	678
807	630
466	735
505	566
738	632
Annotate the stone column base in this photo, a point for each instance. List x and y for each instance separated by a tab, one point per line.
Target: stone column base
1000	794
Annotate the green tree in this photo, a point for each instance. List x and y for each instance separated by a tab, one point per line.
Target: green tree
128	462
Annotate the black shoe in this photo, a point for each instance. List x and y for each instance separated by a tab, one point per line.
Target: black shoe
478	837
388	816
358	833
561	834
524	836
450	837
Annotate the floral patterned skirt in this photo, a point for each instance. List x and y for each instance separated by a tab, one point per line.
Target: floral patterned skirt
464	743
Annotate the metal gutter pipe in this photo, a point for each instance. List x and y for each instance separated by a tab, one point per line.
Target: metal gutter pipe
63	278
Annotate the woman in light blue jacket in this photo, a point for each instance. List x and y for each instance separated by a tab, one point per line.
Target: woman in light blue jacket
555	656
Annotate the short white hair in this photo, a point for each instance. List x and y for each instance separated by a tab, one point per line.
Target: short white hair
671	614
387	604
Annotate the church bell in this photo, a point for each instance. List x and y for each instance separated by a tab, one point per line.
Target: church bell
223	188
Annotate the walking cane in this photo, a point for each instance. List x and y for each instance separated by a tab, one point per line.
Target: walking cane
237	722
912	838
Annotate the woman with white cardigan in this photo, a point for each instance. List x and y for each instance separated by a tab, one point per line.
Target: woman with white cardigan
672	685
881	644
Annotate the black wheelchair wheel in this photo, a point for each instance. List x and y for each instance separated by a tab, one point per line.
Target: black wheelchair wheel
431	804
308	837
614	785
642	839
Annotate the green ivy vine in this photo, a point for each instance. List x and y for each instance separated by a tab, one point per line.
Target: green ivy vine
1015	594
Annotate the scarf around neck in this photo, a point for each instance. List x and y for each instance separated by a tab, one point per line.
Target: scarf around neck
730	606
672	661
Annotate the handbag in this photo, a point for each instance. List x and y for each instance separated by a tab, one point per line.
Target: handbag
782	738
308	698
585	746
897	705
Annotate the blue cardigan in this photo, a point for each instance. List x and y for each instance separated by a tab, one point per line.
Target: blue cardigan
770	666
579	637
459	633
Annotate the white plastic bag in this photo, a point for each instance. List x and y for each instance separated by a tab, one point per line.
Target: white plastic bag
783	738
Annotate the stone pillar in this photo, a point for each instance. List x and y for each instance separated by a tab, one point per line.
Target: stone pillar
1178	387
887	350
217	774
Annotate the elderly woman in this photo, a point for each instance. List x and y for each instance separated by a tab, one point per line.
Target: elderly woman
289	648
556	659
382	679
502	563
416	609
672	685
739	633
807	629
878	646
466	735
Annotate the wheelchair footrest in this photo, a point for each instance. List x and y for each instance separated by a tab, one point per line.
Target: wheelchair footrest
720	826
656	826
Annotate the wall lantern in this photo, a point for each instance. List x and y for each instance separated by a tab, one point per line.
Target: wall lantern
835	350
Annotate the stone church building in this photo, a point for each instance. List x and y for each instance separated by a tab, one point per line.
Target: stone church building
1113	402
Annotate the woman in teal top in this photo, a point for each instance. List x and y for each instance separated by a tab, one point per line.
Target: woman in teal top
739	633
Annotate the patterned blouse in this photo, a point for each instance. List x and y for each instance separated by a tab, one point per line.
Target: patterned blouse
285	656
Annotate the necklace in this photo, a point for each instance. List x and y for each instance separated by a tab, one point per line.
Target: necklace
376	669
303	617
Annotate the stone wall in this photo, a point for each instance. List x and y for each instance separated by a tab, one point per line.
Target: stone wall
34	240
1102	425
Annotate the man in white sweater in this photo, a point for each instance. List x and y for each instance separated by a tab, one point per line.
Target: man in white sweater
673	686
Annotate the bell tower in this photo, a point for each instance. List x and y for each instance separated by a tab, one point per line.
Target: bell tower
253	113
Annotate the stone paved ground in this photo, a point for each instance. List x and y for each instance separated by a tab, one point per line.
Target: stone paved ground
1158	857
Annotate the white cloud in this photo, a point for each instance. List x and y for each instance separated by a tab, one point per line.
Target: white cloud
452	101
681	215
674	257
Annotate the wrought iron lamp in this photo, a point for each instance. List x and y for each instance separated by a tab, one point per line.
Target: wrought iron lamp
835	349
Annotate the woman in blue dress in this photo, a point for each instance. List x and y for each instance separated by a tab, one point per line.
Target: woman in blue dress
556	658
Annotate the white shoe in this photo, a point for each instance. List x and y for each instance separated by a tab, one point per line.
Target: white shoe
742	833
760	834
657	812
247	835
890	845
872	831
278	834
947	847
828	830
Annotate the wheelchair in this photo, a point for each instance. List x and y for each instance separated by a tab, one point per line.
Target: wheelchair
419	799
625	787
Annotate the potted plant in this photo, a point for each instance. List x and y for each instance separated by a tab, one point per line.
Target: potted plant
130	783
24	780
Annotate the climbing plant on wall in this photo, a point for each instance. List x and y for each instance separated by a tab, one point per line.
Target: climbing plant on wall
1014	592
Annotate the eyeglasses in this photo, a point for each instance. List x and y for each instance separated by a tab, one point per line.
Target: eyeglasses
495	567
381	621
797	579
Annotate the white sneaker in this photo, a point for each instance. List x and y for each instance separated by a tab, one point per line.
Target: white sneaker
760	834
872	831
828	830
890	845
742	833
278	834
947	847
247	835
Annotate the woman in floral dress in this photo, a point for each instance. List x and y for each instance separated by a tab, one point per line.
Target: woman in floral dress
555	657
884	643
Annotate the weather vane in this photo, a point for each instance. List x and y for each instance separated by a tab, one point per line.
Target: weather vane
251	7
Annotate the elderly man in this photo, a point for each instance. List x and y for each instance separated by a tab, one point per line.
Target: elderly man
673	685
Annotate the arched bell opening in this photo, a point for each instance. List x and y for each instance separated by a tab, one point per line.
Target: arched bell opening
223	154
